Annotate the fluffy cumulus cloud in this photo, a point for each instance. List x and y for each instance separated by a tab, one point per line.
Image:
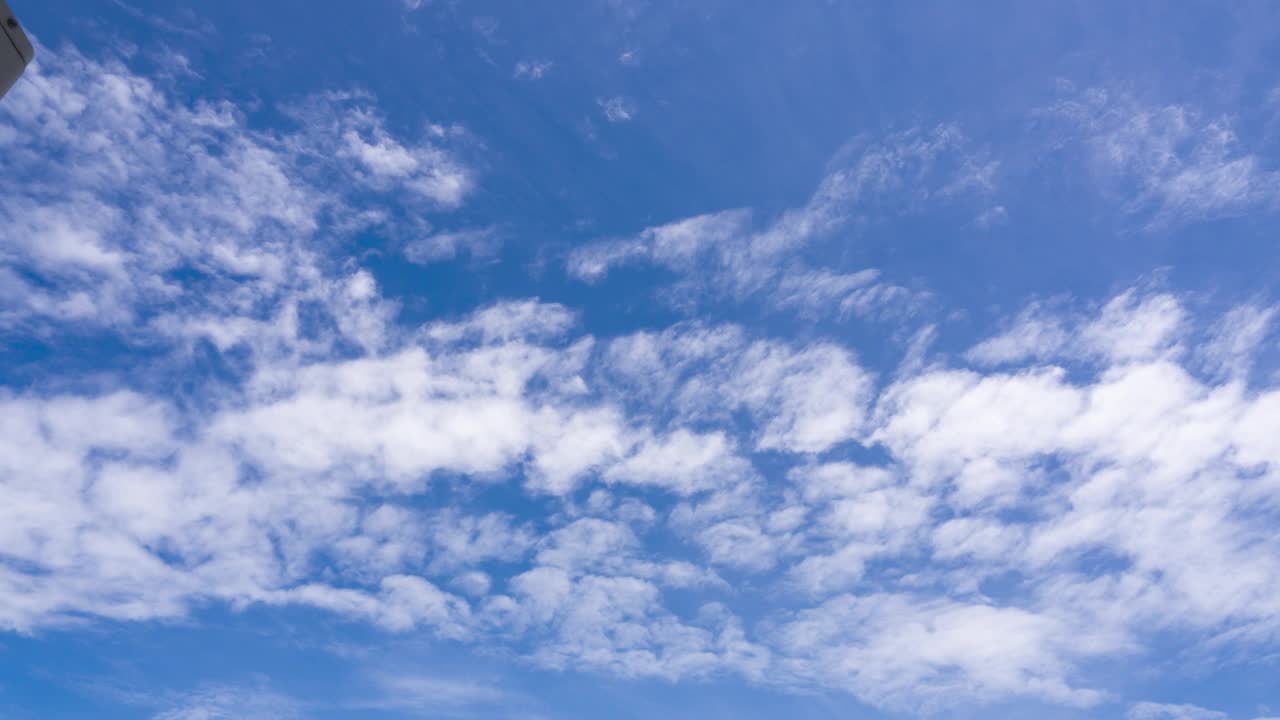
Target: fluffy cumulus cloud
150	190
694	500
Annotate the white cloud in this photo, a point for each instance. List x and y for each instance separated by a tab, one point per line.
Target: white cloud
617	624
907	167
161	186
578	445
440	247
1183	165
473	583
723	254
1159	711
586	543
426	694
816	398
459	540
682	461
402	602
532	69
853	515
425	170
992	216
1116	500
1133	326
739	543
1034	335
505	321
804	399
676	245
1235	341
224	702
861	294
905	652
617	109
1141	457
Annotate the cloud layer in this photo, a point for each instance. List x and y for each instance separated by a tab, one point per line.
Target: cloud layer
708	498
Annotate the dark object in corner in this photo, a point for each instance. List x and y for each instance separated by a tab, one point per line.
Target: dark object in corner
15	49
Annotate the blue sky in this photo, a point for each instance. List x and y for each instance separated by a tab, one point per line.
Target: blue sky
443	359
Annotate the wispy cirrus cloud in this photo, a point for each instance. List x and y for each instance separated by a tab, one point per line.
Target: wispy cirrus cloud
216	702
1174	163
726	254
477	243
437	696
1168	711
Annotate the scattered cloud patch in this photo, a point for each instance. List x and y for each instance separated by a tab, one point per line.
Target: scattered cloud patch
478	243
724	254
992	216
225	702
617	109
1158	711
678	245
429	694
163	187
532	69
1172	162
1131	326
